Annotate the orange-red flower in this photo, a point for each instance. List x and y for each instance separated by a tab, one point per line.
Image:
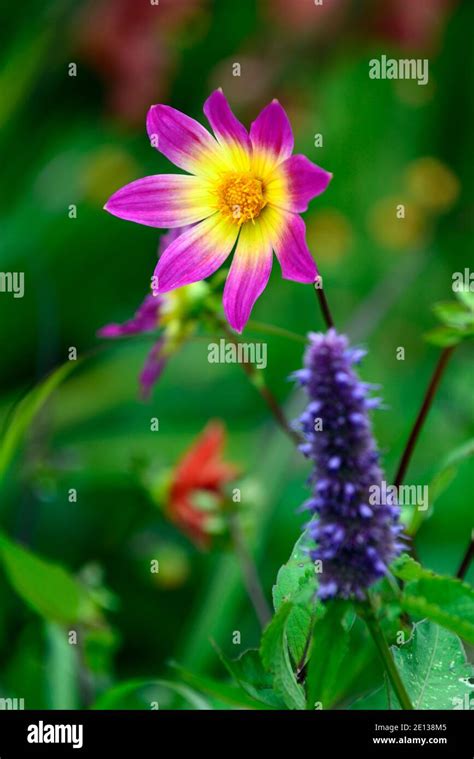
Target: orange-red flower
200	475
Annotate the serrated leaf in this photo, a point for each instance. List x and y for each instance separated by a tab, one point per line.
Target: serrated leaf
445	600
433	667
328	651
45	586
276	659
296	583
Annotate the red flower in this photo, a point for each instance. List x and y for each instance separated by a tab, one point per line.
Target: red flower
201	471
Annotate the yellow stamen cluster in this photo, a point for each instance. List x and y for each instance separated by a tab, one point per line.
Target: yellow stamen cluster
240	197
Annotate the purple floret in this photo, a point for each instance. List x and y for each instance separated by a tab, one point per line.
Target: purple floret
355	540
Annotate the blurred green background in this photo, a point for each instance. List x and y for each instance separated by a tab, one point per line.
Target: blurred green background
76	139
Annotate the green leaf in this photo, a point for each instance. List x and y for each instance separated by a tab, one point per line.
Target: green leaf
276	659
467	298
453	314
46	587
249	673
224	692
26	410
296	583
446	600
433	667
328	652
117	696
443	337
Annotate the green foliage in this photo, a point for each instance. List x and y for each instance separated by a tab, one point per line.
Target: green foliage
275	655
328	657
433	667
296	580
445	600
26	410
46	587
149	694
251	676
457	318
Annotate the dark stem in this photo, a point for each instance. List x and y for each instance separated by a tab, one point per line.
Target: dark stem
466	560
425	407
256	378
249	571
323	304
368	614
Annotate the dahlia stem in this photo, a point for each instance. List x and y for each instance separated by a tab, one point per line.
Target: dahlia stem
425	407
466	560
381	644
323	303
256	378
249	572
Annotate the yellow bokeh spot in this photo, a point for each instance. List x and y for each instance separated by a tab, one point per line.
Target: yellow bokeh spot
330	234
240	197
432	184
398	223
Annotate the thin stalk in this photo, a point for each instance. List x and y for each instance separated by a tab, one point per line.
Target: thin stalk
323	304
381	644
425	407
256	378
249	572
272	329
467	558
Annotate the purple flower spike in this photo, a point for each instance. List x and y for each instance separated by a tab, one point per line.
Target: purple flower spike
355	539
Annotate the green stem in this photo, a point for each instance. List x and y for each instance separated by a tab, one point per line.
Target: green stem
378	637
272	329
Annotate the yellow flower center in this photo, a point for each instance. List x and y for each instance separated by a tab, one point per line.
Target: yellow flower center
241	197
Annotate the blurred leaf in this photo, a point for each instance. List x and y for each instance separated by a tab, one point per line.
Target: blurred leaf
46	587
433	667
230	694
276	659
26	410
249	673
328	652
117	696
443	337
61	669
453	314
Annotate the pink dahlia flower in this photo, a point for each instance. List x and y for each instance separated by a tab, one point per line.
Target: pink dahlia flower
243	190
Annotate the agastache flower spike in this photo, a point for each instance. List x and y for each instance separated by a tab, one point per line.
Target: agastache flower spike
242	189
355	540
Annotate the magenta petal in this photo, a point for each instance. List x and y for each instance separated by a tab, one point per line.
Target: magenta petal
292	252
271	137
248	275
196	254
144	320
164	200
227	128
305	181
181	139
153	367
